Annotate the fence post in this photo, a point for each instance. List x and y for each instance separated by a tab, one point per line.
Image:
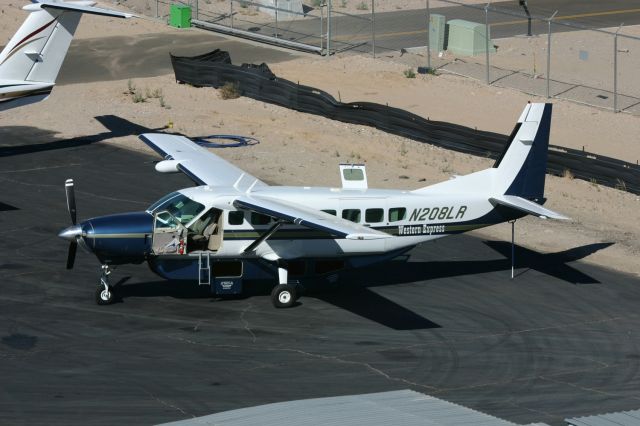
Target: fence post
231	13
197	9
157	16
428	37
549	51
373	27
276	18
486	42
322	26
329	7
615	69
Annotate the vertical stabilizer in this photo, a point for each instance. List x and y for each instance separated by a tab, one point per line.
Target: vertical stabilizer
30	63
36	52
522	167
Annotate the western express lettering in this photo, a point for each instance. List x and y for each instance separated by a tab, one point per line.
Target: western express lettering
420	229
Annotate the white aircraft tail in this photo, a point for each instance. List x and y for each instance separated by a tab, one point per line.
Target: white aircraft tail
517	178
36	52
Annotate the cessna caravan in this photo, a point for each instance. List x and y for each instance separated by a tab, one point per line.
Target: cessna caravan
30	63
233	227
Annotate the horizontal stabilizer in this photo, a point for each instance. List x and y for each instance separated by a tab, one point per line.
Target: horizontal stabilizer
83	7
311	218
529	207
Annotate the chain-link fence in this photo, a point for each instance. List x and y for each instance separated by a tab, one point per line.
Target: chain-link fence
542	52
551	56
323	26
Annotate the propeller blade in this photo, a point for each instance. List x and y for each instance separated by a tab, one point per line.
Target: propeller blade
71	255
71	201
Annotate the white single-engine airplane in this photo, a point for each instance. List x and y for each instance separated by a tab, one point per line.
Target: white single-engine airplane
30	63
234	226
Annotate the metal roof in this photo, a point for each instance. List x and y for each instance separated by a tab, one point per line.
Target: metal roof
404	407
620	418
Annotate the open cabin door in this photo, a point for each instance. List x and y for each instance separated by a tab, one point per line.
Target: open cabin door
353	176
169	235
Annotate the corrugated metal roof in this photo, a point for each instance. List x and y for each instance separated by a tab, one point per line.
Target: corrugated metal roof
404	407
621	418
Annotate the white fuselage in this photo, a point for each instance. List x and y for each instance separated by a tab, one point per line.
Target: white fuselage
411	218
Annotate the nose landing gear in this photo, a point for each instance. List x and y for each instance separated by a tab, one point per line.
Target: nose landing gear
104	292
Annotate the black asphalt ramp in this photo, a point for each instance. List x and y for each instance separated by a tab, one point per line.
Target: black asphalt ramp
560	340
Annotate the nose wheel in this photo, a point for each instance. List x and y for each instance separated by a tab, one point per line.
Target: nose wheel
104	294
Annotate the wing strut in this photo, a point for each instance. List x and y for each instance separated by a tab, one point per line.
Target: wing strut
254	245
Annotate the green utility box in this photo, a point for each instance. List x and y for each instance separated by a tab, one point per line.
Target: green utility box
180	16
467	38
436	32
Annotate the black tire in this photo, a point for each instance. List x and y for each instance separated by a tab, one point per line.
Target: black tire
104	297
284	296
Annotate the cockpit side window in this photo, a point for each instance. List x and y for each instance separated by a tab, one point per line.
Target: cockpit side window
165	220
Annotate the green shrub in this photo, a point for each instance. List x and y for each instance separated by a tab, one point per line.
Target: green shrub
409	73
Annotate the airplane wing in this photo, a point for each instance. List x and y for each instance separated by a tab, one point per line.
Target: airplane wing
305	216
201	165
527	206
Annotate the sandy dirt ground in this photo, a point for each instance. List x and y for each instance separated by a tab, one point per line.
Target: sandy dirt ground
463	101
301	149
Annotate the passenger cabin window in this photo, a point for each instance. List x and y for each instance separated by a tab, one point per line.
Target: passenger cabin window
259	219
374	215
397	213
331	212
236	218
351	214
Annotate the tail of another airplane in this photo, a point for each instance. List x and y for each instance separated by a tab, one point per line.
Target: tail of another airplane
517	178
30	62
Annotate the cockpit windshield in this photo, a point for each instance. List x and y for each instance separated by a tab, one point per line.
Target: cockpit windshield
153	207
181	207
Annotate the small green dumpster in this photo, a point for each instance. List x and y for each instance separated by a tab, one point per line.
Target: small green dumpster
180	16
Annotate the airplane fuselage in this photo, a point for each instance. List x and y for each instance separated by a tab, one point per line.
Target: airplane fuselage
410	218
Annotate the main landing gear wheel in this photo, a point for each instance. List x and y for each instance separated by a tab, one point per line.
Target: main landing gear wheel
104	296
284	296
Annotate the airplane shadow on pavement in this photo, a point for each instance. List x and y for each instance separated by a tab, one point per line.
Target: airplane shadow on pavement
29	140
359	298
